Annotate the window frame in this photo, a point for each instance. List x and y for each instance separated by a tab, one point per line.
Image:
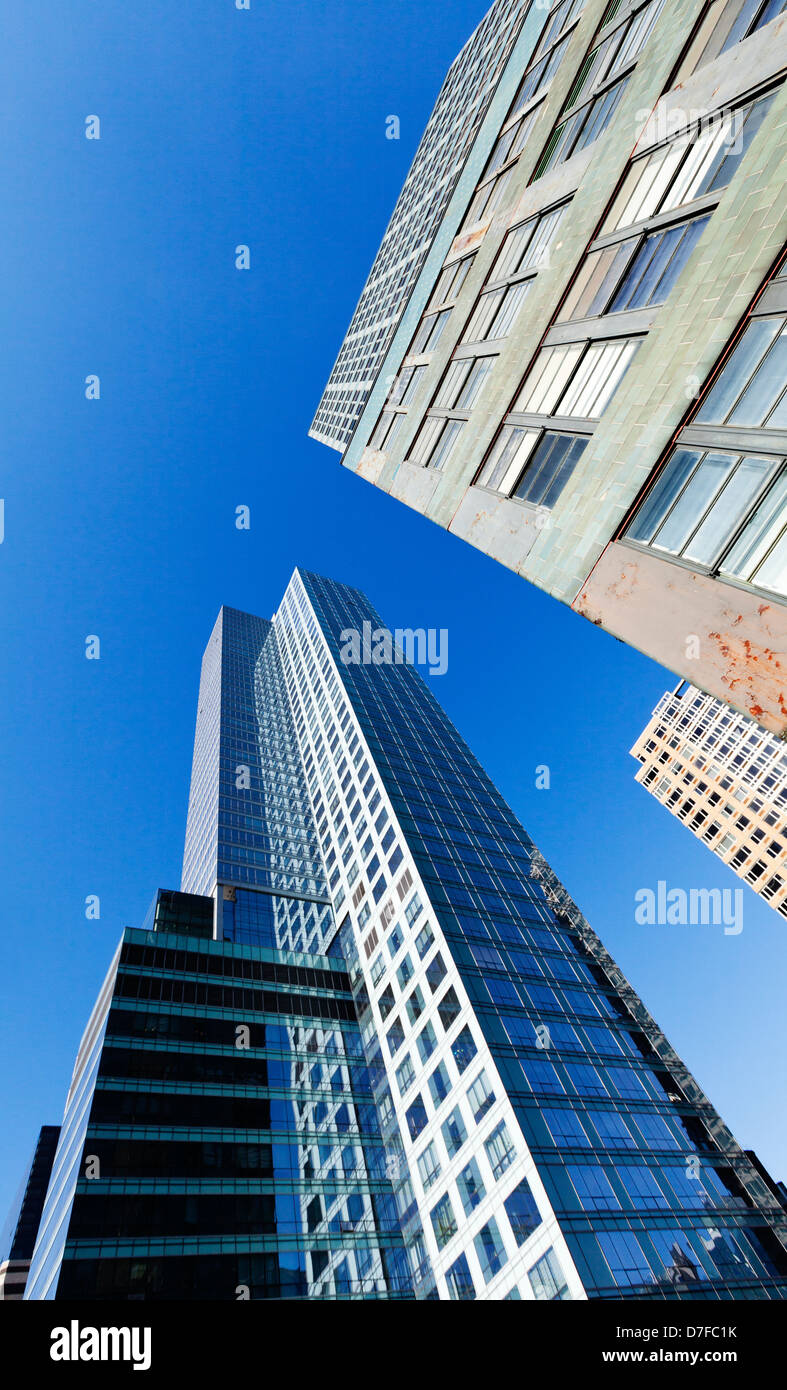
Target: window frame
707	437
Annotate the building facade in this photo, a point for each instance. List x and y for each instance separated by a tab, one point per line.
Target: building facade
589	375
18	1238
372	1049
447	142
726	778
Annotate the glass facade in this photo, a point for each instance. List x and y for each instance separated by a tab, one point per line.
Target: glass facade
372	1049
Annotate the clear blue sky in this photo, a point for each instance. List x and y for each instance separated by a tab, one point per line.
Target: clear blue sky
265	127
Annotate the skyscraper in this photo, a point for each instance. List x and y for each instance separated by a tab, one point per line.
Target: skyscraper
371	1049
18	1237
589	371
726	779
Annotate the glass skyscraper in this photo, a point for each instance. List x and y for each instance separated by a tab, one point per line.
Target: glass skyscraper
371	1049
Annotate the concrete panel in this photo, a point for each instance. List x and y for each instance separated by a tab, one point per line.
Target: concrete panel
740	649
414	485
503	529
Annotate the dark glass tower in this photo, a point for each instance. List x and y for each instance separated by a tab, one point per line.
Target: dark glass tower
373	1049
21	1228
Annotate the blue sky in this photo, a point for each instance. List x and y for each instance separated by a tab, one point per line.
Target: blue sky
265	127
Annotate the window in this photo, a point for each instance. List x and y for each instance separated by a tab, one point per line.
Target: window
701	161
752	388
533	462
405	1075
547	1279
412	909
566	1129
593	1188
599	85
526	247
463	382
435	972
443	1221
439	1084
697	506
720	502
522	1212
395	1036
429	1166
725	23
535	472
460	1281
470	1186
427	1042
450	282
435	442
424	940
464	1049
490	1250
500	1150
633	274
625	1257
429	333
481	1096
642	1187
576	379
405	972
416	1117
454	1132
495	313
449	1008
386	1002
415	1005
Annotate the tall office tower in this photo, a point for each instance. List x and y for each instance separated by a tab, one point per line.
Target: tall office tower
726	779
589	374
441	156
19	1233
379	1052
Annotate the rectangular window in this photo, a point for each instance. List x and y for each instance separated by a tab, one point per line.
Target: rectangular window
417	1118
633	274
405	1075
495	313
424	940
625	1257
526	247
593	1188
522	1212
703	160
435	972
454	1132
547	1279
450	282
725	512
470	1186
460	1281
464	1049
490	1250
576	379
444	1221
463	382
439	1084
481	1096
429	1166
426	1042
449	1008
499	1150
